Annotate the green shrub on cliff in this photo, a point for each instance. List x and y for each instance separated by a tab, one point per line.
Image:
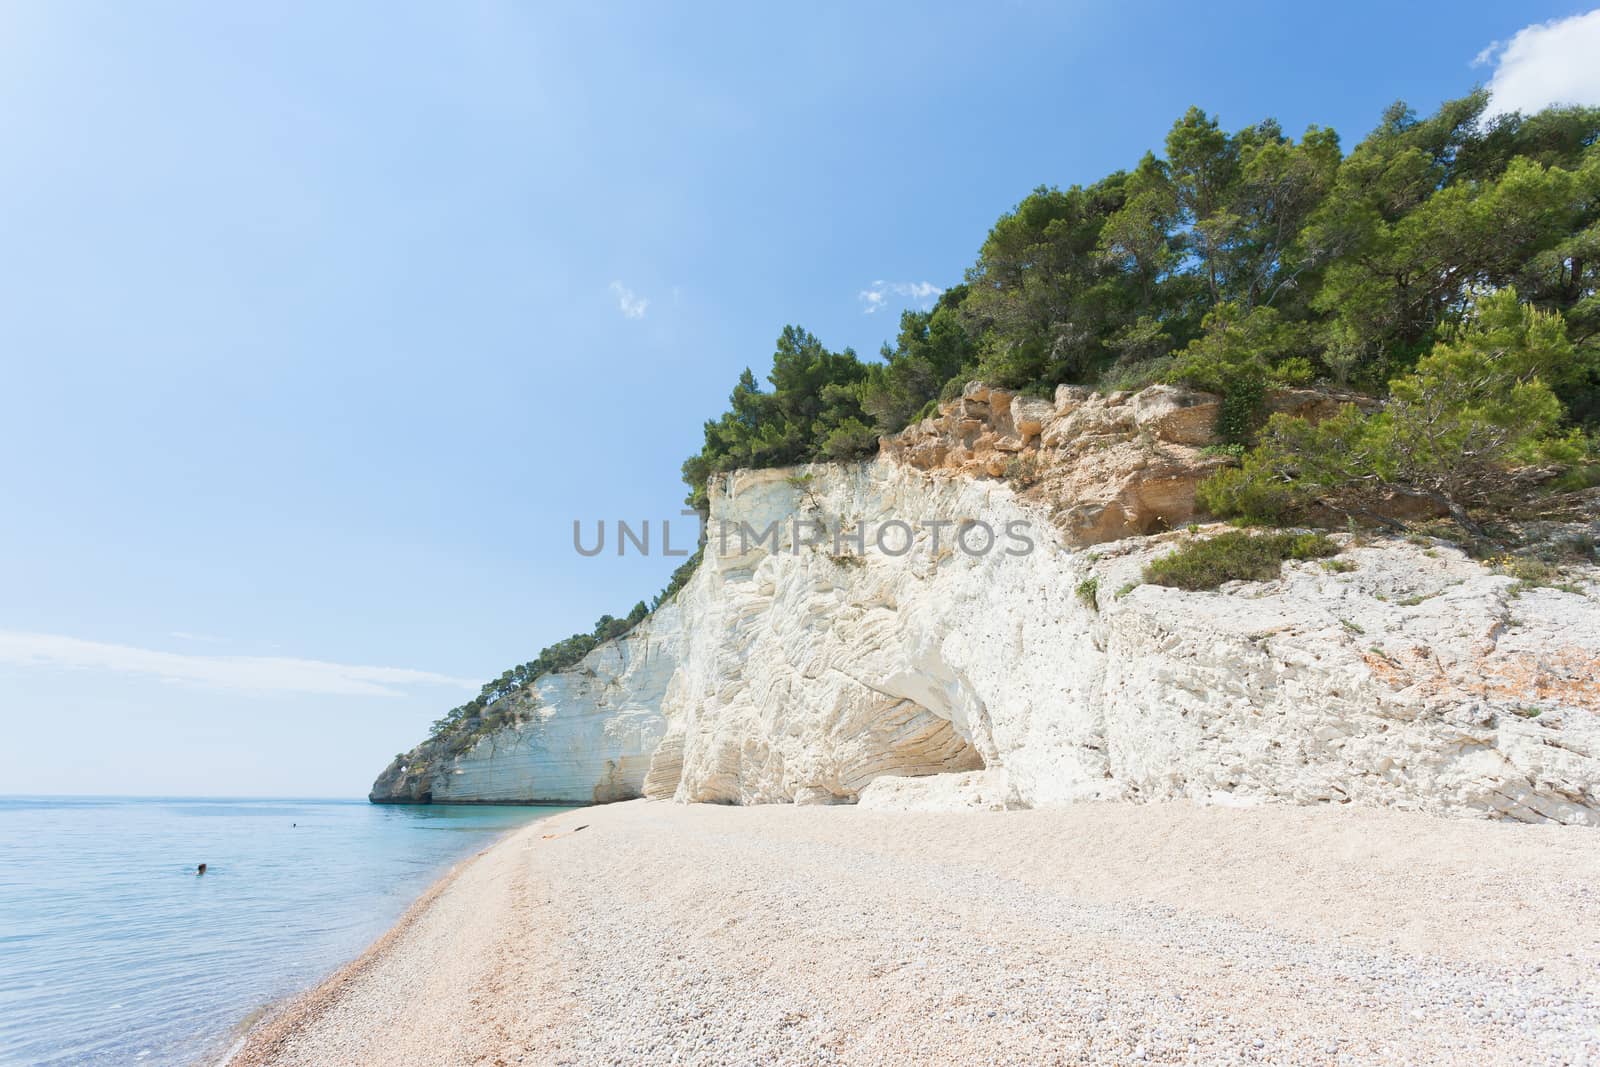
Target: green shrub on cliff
1240	355
1235	555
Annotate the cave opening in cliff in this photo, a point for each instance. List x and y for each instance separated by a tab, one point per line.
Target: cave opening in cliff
905	739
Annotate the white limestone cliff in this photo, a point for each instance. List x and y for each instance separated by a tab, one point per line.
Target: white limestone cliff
1418	678
1406	675
578	736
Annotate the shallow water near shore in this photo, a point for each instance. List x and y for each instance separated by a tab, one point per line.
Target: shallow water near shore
113	950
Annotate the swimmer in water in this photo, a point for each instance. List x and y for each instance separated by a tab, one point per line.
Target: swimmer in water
201	869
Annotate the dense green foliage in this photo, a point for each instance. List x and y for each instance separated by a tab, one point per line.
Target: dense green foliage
1458	430
1233	263
1235	555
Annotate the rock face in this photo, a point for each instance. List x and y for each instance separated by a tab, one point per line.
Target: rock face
959	673
579	736
1415	678
1106	466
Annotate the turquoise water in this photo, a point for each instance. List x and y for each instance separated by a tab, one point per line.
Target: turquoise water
112	949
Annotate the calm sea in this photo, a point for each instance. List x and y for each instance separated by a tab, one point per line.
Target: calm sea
112	949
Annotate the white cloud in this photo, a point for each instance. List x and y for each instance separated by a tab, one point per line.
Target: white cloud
875	297
1544	64
256	674
630	303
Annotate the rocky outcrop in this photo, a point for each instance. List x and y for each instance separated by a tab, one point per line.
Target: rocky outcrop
1106	466
1030	666
584	735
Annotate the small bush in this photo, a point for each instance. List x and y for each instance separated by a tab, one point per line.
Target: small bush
1527	570
1232	493
1583	476
1234	450
851	440
1531	573
805	485
1131	377
1582	546
1235	555
1089	593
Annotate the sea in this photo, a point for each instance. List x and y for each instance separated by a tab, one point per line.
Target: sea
113	950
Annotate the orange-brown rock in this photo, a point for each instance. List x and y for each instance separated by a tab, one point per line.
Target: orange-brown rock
1109	466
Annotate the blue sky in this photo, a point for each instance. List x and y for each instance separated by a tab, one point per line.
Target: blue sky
319	324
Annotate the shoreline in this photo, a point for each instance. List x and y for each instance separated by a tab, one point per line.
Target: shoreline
1101	933
266	1024
272	1021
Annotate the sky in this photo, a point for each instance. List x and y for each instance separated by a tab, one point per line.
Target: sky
320	324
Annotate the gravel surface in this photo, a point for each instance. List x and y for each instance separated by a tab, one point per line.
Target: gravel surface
1162	933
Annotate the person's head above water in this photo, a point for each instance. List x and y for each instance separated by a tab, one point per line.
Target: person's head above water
201	869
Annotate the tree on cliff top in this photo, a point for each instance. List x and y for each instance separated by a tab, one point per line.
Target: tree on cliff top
1234	259
1454	431
813	412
